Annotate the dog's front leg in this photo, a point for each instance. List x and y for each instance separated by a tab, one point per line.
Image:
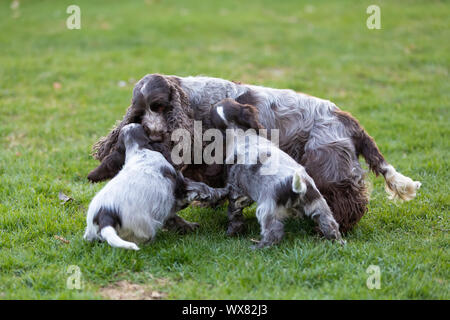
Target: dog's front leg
178	224
319	211
199	191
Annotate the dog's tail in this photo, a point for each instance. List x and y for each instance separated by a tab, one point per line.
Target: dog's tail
110	235
108	220
397	185
291	187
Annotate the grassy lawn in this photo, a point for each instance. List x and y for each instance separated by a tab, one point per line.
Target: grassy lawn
60	90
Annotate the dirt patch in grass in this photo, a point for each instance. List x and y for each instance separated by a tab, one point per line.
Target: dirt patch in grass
124	290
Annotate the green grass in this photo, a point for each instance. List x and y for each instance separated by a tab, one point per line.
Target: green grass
394	80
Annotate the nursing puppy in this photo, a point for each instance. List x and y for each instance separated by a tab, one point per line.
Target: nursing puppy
280	186
144	196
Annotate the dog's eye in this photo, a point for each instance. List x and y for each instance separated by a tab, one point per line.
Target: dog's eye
157	107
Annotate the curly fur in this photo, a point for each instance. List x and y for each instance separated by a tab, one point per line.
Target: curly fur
313	131
278	184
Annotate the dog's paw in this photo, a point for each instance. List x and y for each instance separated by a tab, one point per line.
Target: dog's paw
263	244
199	204
188	227
327	226
330	230
192	226
235	228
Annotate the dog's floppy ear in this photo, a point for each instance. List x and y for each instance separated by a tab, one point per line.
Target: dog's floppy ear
248	117
110	165
216	118
230	111
134	114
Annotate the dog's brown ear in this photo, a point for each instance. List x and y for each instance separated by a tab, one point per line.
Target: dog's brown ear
110	166
104	146
244	115
216	119
248	117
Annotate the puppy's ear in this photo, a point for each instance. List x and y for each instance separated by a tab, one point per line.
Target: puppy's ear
156	93
163	148
243	115
216	119
248	117
137	135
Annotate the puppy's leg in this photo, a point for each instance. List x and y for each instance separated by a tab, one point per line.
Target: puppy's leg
272	229
91	233
202	192
326	223
317	208
178	224
236	221
187	191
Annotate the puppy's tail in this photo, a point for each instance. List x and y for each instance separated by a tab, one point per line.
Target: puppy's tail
397	185
298	185
110	235
107	220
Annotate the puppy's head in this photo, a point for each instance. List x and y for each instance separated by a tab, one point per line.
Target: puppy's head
133	135
230	113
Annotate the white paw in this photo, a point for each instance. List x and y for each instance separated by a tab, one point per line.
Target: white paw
89	236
